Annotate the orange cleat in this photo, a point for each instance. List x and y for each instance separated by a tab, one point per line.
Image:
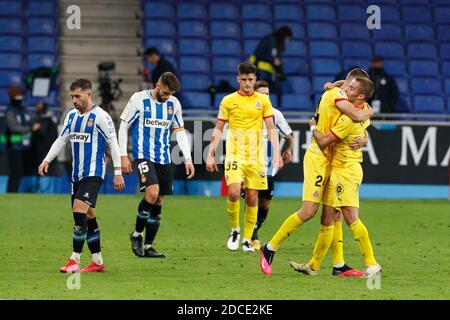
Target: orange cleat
93	267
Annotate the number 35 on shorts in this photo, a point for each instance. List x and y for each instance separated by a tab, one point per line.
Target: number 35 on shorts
231	165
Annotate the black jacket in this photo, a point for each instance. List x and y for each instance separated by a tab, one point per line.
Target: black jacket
162	66
386	90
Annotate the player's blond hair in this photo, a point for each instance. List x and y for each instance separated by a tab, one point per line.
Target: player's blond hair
366	87
357	72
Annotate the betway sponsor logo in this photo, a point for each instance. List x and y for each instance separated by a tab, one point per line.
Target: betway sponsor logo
80	137
157	123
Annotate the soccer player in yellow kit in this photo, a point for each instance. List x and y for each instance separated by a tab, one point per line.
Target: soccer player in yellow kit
342	190
245	110
316	166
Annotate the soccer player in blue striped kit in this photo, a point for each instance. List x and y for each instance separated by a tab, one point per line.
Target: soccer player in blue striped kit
152	114
89	129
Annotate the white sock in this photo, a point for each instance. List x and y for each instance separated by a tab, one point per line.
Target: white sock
236	229
137	234
147	246
246	240
270	247
75	257
97	258
339	265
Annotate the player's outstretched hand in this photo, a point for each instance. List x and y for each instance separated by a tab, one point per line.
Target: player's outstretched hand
119	183
126	165
43	168
190	170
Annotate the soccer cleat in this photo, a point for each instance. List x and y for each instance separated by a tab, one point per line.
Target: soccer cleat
233	241
346	271
372	271
136	245
246	247
256	244
152	253
70	267
303	268
265	261
93	267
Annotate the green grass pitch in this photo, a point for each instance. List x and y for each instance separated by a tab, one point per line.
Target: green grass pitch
410	239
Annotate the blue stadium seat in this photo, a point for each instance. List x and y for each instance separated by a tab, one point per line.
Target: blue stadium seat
442	14
319	81
196	100
193	46
296	84
159	28
11	26
423	2
445	69
255	11
191	82
225	29
356	49
447	87
403	85
423	68
350	63
325	66
225	64
10	43
352	12
444	51
428	104
223	11
317	30
192	28
416	14
388	32
421	50
389	49
448	105
218	99
295	66
225	47
10	61
443	32
353	31
36	60
158	10
403	104
191	10
287	11
4	97
250	46
194	64
298	30
295	48
296	102
173	60
323	49
41	26
389	13
11	8
395	67
317	12
164	45
418	32
229	77
42	44
256	29
41	8
426	86
10	78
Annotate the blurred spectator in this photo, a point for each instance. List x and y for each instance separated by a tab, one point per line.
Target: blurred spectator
161	65
267	57
18	136
386	92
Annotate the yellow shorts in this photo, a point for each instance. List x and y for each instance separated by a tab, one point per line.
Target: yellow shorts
254	176
342	189
316	171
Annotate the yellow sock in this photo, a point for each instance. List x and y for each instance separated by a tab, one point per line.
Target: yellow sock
362	238
337	245
322	244
233	209
290	225
250	215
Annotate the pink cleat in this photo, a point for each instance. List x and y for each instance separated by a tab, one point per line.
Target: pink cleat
347	271
265	262
93	267
70	267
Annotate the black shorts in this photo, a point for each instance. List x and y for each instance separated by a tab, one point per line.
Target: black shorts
267	194
86	190
155	173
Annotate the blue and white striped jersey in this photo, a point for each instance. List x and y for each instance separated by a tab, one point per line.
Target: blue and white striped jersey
151	123
89	134
283	129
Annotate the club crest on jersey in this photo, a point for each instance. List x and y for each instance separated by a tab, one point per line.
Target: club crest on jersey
157	123
90	123
258	105
80	137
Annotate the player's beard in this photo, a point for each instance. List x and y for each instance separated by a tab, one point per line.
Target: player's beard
159	97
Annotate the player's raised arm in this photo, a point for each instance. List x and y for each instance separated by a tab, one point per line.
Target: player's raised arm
183	142
355	114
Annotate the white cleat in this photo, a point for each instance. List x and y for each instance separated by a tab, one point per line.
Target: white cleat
233	241
246	247
303	268
372	271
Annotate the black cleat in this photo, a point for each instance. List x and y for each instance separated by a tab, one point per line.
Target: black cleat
136	245
152	253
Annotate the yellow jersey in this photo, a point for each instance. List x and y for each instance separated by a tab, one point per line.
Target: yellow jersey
347	131
326	116
245	116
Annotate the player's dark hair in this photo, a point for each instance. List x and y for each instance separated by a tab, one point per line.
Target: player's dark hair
281	34
357	72
151	51
246	68
366	86
169	80
82	84
261	84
